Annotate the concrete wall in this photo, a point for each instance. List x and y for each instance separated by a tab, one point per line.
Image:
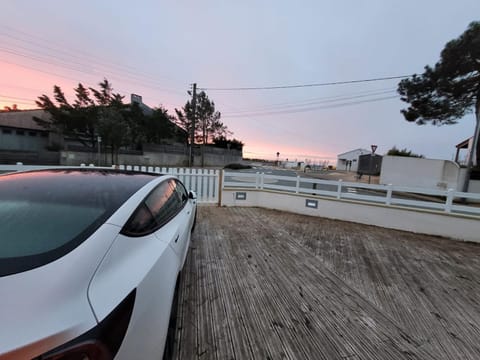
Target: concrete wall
22	140
424	173
220	159
454	226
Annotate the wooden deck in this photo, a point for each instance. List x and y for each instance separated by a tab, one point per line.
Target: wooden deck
262	284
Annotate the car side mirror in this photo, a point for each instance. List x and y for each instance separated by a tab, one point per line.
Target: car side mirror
192	195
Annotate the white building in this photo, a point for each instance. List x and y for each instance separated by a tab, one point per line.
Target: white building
298	165
349	160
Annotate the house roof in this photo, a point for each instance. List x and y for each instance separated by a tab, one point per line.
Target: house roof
23	119
464	143
137	99
359	149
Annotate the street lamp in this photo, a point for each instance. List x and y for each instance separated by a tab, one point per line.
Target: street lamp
374	148
99	141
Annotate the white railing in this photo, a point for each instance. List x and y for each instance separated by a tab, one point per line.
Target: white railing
205	182
449	201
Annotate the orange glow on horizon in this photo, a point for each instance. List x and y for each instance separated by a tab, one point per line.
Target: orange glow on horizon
21	85
269	152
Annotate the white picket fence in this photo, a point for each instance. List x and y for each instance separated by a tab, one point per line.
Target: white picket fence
205	182
448	201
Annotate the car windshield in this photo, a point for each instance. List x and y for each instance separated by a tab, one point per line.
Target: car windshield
45	214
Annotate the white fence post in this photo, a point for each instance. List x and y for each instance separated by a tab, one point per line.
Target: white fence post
262	180
388	200
449	201
205	184
297	185
198	183
222	178
339	189
257	180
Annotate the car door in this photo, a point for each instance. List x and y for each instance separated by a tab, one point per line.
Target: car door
185	217
164	204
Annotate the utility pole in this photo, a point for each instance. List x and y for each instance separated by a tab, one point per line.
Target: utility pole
192	130
473	149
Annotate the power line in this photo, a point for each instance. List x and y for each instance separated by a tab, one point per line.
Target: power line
317	101
42	44
112	73
16	98
312	108
75	60
17	102
304	85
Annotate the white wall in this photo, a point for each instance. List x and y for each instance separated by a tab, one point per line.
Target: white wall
350	156
474	186
417	172
418	221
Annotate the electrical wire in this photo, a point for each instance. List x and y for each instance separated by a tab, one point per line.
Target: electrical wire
92	73
17	102
318	101
308	109
15	98
42	44
57	60
303	85
63	59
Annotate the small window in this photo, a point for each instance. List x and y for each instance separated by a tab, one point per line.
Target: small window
32	133
20	132
6	131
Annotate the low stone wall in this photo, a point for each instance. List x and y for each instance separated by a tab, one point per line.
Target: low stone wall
217	158
458	227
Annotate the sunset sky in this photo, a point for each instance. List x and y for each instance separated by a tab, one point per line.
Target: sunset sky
159	48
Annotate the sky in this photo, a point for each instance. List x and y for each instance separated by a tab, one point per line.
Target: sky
157	49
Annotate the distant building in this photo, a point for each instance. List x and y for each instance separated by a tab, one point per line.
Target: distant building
137	99
296	165
23	140
349	160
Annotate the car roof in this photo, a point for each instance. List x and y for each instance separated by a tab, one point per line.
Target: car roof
85	186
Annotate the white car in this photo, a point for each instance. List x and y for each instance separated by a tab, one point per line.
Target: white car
89	261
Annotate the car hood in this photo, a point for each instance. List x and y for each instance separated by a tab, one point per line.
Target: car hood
47	306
